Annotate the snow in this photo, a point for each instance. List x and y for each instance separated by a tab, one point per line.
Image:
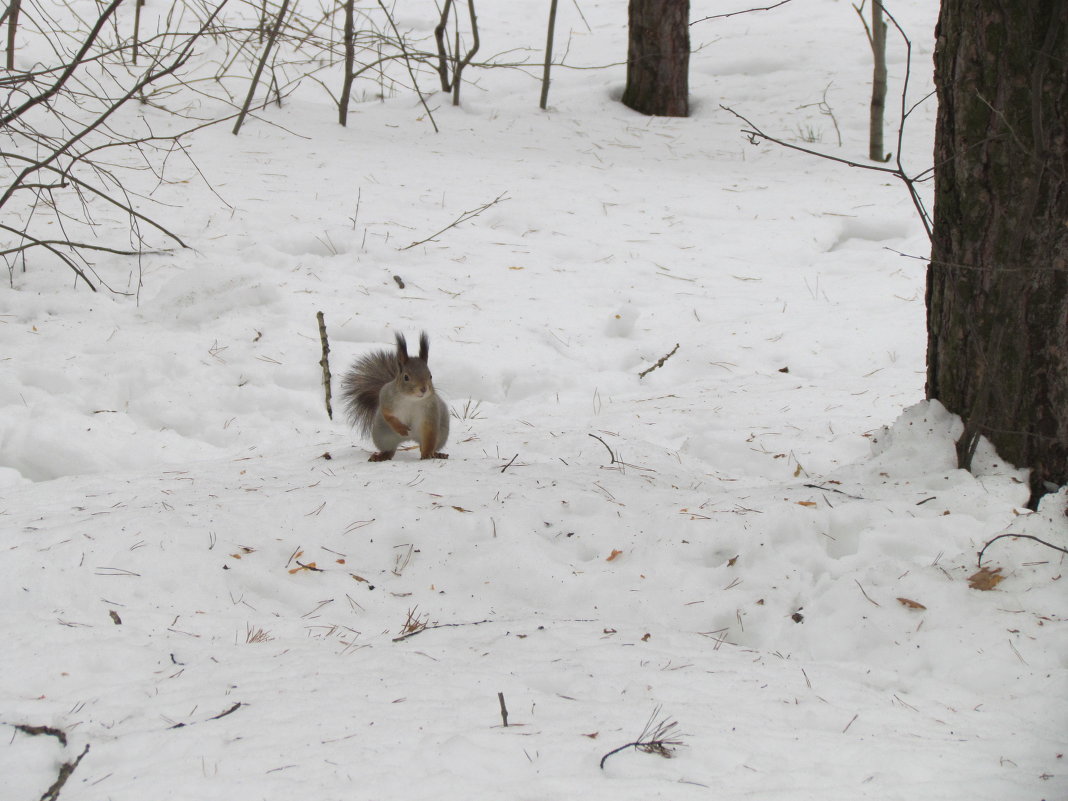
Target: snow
766	538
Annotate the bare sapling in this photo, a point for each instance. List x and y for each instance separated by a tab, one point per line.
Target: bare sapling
548	55
349	61
272	36
876	34
12	14
462	63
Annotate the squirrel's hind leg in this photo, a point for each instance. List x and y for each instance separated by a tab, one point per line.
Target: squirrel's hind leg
381	456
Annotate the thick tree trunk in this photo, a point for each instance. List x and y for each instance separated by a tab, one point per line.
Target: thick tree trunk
658	57
997	286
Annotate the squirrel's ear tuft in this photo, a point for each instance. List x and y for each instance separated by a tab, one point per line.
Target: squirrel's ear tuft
424	346
402	349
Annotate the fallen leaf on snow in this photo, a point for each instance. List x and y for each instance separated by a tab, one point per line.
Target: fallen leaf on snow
910	604
614	555
985	579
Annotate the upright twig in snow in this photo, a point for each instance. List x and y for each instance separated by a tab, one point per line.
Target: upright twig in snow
754	133
548	55
408	63
462	63
439	37
271	37
12	14
504	709
137	29
325	362
877	39
350	58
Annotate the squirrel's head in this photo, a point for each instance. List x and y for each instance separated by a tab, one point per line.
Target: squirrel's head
414	376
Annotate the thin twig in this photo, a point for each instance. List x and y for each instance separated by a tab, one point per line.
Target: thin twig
548	55
36	731
65	770
1022	537
736	13
425	627
467	215
899	171
657	738
271	37
325	362
660	363
408	63
873	603
610	453
504	709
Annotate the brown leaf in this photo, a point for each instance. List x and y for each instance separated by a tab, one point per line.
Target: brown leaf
732	560
461	509
809	504
910	604
985	579
614	555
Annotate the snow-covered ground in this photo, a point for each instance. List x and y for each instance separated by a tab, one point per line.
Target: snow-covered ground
204	580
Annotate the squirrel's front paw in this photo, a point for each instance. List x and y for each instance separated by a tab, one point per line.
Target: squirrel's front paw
381	456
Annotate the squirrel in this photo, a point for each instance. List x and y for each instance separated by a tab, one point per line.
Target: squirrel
390	396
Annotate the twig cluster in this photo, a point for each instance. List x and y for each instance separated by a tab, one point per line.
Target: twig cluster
755	134
657	737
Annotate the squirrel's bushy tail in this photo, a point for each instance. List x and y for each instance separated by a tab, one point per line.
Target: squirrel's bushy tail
363	382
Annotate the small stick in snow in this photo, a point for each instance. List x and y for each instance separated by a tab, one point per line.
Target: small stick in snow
35	731
660	363
65	770
874	603
399	280
325	362
232	709
1022	537
504	709
610	453
654	739
467	215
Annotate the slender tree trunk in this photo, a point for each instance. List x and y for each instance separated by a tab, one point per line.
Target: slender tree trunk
262	62
997	286
548	55
658	57
878	83
350	59
12	26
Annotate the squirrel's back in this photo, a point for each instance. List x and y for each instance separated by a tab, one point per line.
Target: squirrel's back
362	384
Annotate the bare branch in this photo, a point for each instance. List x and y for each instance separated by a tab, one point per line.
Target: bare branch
467	215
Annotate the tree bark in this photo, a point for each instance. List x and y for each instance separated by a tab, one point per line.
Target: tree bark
658	57
878	83
997	285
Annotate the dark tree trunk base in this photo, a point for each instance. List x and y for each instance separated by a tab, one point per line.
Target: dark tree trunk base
658	58
997	286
